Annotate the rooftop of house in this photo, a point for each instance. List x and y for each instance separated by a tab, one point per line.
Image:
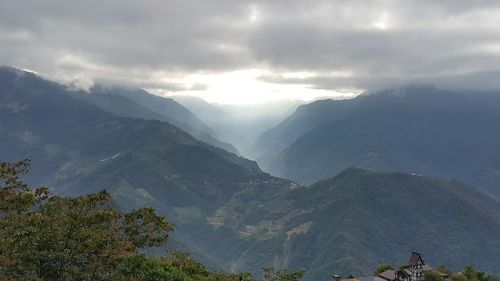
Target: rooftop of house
415	258
388	275
391	274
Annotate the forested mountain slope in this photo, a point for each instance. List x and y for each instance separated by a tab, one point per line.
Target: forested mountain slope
137	103
228	210
415	130
360	219
78	148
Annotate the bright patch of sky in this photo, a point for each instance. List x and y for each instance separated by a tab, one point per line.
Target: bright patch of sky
245	87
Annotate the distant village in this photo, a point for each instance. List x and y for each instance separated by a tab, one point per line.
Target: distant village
413	271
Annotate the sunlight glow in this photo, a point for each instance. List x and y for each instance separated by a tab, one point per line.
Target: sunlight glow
244	87
254	13
382	22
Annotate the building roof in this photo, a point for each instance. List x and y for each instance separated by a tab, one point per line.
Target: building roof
370	278
415	258
427	267
389	275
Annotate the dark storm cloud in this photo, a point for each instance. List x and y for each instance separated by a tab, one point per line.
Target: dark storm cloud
378	43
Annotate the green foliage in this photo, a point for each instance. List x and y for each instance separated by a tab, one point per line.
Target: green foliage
138	103
77	148
353	220
154	270
444	269
381	268
413	129
458	277
46	237
271	274
467	274
470	274
178	267
433	276
14	194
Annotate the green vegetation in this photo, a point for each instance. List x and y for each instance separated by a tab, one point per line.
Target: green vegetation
433	276
138	103
467	274
49	237
270	274
381	268
360	219
470	274
228	213
418	130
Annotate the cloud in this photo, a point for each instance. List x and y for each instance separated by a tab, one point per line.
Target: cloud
105	38
155	43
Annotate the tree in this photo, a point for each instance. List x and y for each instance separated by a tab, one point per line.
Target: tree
458	277
433	276
472	275
177	267
271	274
15	195
444	269
381	268
47	237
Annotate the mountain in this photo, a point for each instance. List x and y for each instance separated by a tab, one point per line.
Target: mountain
360	219
419	130
305	118
206	111
137	103
225	208
239	125
77	148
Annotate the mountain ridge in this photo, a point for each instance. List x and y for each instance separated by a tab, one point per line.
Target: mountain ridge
359	219
433	132
139	103
230	211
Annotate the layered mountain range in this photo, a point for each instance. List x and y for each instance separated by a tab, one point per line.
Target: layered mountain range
76	147
225	207
240	125
415	129
137	103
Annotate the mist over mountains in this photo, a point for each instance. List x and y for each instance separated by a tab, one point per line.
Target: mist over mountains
138	103
240	125
249	140
151	151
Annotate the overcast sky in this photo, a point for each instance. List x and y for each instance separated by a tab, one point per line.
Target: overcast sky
238	51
